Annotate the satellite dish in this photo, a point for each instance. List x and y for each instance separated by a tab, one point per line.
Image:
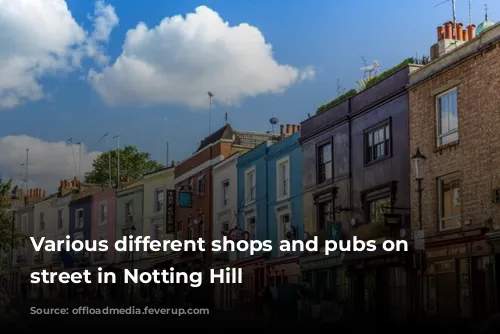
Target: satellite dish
274	120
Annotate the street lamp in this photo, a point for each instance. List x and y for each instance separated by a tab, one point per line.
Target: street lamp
418	160
131	231
14	203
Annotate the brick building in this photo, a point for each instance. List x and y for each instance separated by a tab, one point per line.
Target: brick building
193	183
454	121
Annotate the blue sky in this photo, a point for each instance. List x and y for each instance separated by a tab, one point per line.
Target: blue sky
325	35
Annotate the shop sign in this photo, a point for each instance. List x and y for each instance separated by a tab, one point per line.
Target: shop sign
237	234
381	261
170	211
322	263
448	252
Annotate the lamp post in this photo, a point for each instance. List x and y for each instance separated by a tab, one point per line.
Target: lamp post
131	231
418	160
13	207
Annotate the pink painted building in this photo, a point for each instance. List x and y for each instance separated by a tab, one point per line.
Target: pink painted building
104	225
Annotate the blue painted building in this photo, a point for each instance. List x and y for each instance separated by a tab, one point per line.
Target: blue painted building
80	221
270	206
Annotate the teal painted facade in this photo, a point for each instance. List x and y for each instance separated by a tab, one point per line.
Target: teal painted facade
265	206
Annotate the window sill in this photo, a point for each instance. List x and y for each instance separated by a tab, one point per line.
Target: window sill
373	162
283	198
444	147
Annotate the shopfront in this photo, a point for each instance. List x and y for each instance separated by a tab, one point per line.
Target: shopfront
324	273
456	284
380	285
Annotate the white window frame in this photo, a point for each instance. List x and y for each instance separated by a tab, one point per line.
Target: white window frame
129	204
450	177
250	190
25	223
223	192
281	229
101	205
154	223
61	211
439	135
77	220
280	188
41	221
78	236
247	229
155	194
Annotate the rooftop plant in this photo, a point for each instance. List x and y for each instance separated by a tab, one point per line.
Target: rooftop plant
368	82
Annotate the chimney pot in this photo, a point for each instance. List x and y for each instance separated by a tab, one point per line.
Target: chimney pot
43	194
288	129
294	128
282	129
30	192
39	194
448	30
471	31
440	31
61	183
298	127
173	163
459	30
465	35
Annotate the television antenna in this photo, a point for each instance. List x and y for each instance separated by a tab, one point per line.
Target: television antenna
370	70
454	12
340	89
273	120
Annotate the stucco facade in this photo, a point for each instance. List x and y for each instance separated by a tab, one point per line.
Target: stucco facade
103	225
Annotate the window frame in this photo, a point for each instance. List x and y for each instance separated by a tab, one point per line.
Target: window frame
281	194
157	191
319	179
103	204
440	136
369	132
225	192
250	192
449	177
77	219
281	228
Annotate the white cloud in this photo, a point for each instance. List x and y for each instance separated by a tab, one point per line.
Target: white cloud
49	162
40	37
181	59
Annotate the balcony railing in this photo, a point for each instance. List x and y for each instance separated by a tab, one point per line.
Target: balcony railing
101	256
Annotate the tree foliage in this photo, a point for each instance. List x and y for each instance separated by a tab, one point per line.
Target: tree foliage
133	164
6	223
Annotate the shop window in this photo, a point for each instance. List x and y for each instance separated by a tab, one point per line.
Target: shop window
465	302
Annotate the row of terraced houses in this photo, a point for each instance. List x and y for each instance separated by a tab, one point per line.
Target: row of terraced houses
344	172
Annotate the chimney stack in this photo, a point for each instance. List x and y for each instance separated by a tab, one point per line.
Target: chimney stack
288	129
440	31
459	31
465	35
471	31
448	30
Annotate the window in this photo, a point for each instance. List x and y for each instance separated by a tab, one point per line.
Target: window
78	236
325	214
79	218
42	221
201	185
324	162
397	286
449	202
179	231
201	230
24	222
129	213
342	284
377	209
225	192
283	178
285	226
157	229
101	256
225	227
378	143
159	200
252	228
59	219
103	213
250	184
191	185
447	117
